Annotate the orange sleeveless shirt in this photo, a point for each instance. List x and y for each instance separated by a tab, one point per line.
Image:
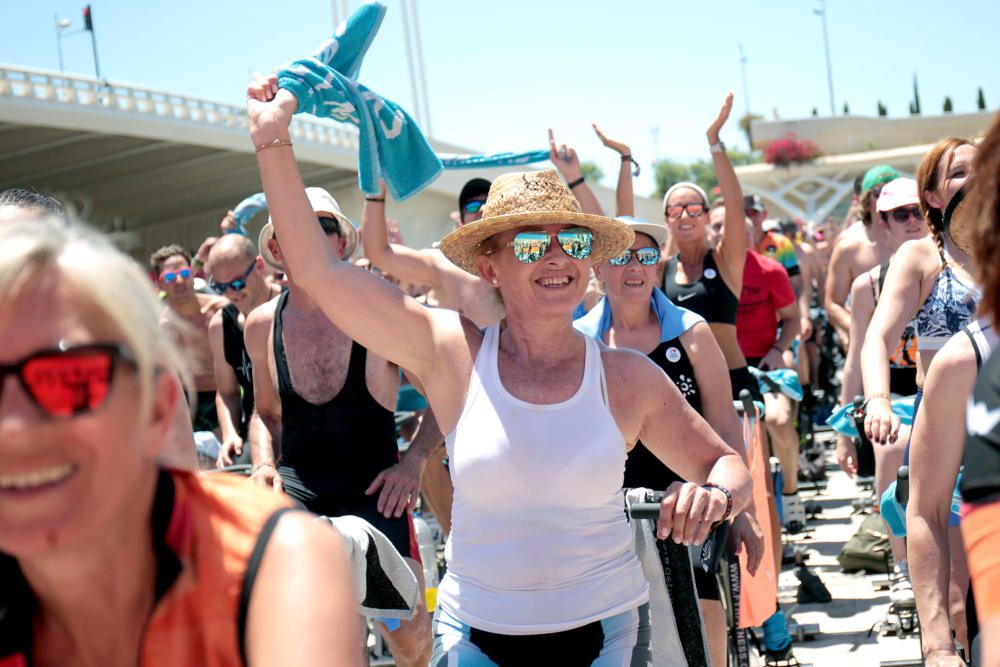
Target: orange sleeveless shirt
209	535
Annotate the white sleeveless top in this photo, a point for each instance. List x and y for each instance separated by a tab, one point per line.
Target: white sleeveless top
540	541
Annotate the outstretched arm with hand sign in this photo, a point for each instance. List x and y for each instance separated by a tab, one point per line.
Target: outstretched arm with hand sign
624	204
567	162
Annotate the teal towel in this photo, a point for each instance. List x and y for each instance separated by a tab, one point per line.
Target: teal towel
390	145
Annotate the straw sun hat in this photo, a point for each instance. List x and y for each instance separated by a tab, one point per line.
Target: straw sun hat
531	198
324	205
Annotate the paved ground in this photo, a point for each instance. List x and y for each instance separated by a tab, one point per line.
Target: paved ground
844	639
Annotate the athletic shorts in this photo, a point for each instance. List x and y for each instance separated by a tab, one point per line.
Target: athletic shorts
740	378
399	530
622	640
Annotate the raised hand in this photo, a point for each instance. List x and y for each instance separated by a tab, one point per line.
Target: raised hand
617	146
716	126
268	106
565	159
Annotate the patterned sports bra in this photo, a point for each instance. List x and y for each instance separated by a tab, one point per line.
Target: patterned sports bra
949	307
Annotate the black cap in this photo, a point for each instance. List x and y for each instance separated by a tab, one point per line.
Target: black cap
477	187
753	202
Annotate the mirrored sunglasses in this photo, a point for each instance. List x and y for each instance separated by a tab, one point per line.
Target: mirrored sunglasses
693	210
646	257
171	276
531	246
69	380
473	206
236	285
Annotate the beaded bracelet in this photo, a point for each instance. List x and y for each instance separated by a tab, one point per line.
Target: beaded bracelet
729	499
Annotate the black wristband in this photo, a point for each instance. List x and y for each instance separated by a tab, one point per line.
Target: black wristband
775	347
380	200
729	499
575	183
627	157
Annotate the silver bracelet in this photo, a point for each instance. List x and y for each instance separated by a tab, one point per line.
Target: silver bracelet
717	147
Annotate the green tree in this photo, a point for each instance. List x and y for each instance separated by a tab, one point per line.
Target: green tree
981	100
882	111
915	105
590	171
815	111
847	109
948	108
702	172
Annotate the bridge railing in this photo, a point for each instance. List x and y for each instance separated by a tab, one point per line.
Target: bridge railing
86	92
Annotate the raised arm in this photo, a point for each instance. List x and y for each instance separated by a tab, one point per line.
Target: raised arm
898	303
367	308
567	162
733	247
936	448
624	199
407	264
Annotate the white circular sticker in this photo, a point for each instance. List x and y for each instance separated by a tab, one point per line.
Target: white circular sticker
710	273
673	355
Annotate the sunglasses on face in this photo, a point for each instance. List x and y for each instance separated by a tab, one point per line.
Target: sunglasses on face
473	206
531	246
901	215
236	285
69	380
693	210
171	276
646	257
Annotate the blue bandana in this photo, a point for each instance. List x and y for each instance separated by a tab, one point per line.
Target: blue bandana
673	319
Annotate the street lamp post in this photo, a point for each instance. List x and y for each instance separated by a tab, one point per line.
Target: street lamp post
746	97
61	24
821	12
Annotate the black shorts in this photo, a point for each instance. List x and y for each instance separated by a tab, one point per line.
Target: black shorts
400	530
903	381
741	379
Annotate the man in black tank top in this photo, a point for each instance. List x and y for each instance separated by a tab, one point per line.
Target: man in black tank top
324	430
238	274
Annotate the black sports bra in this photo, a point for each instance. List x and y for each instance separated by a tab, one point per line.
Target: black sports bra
709	296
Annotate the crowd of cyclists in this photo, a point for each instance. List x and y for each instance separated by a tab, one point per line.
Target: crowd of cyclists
554	356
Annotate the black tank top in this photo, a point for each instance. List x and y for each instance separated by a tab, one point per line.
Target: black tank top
708	296
331	453
235	352
642	468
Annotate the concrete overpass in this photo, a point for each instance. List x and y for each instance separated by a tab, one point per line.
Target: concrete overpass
155	167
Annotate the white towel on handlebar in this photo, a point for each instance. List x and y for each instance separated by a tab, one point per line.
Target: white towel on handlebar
667	648
386	586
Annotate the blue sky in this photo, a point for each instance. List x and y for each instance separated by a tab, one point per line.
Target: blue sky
500	73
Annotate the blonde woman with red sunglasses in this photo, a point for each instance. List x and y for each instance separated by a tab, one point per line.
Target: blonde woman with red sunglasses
106	557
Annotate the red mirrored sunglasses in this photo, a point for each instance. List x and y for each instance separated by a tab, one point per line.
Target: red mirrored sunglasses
68	380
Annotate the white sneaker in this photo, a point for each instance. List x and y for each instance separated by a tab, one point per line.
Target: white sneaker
900	588
794	512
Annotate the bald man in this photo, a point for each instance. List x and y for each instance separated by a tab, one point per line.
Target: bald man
236	272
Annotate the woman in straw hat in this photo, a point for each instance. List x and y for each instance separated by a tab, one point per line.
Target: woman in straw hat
539	418
635	314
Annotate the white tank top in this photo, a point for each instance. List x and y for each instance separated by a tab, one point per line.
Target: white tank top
540	541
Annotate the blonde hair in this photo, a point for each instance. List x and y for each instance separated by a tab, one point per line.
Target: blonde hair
111	281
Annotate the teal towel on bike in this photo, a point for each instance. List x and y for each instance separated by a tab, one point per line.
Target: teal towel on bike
673	319
247	209
782	380
894	513
842	420
391	146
